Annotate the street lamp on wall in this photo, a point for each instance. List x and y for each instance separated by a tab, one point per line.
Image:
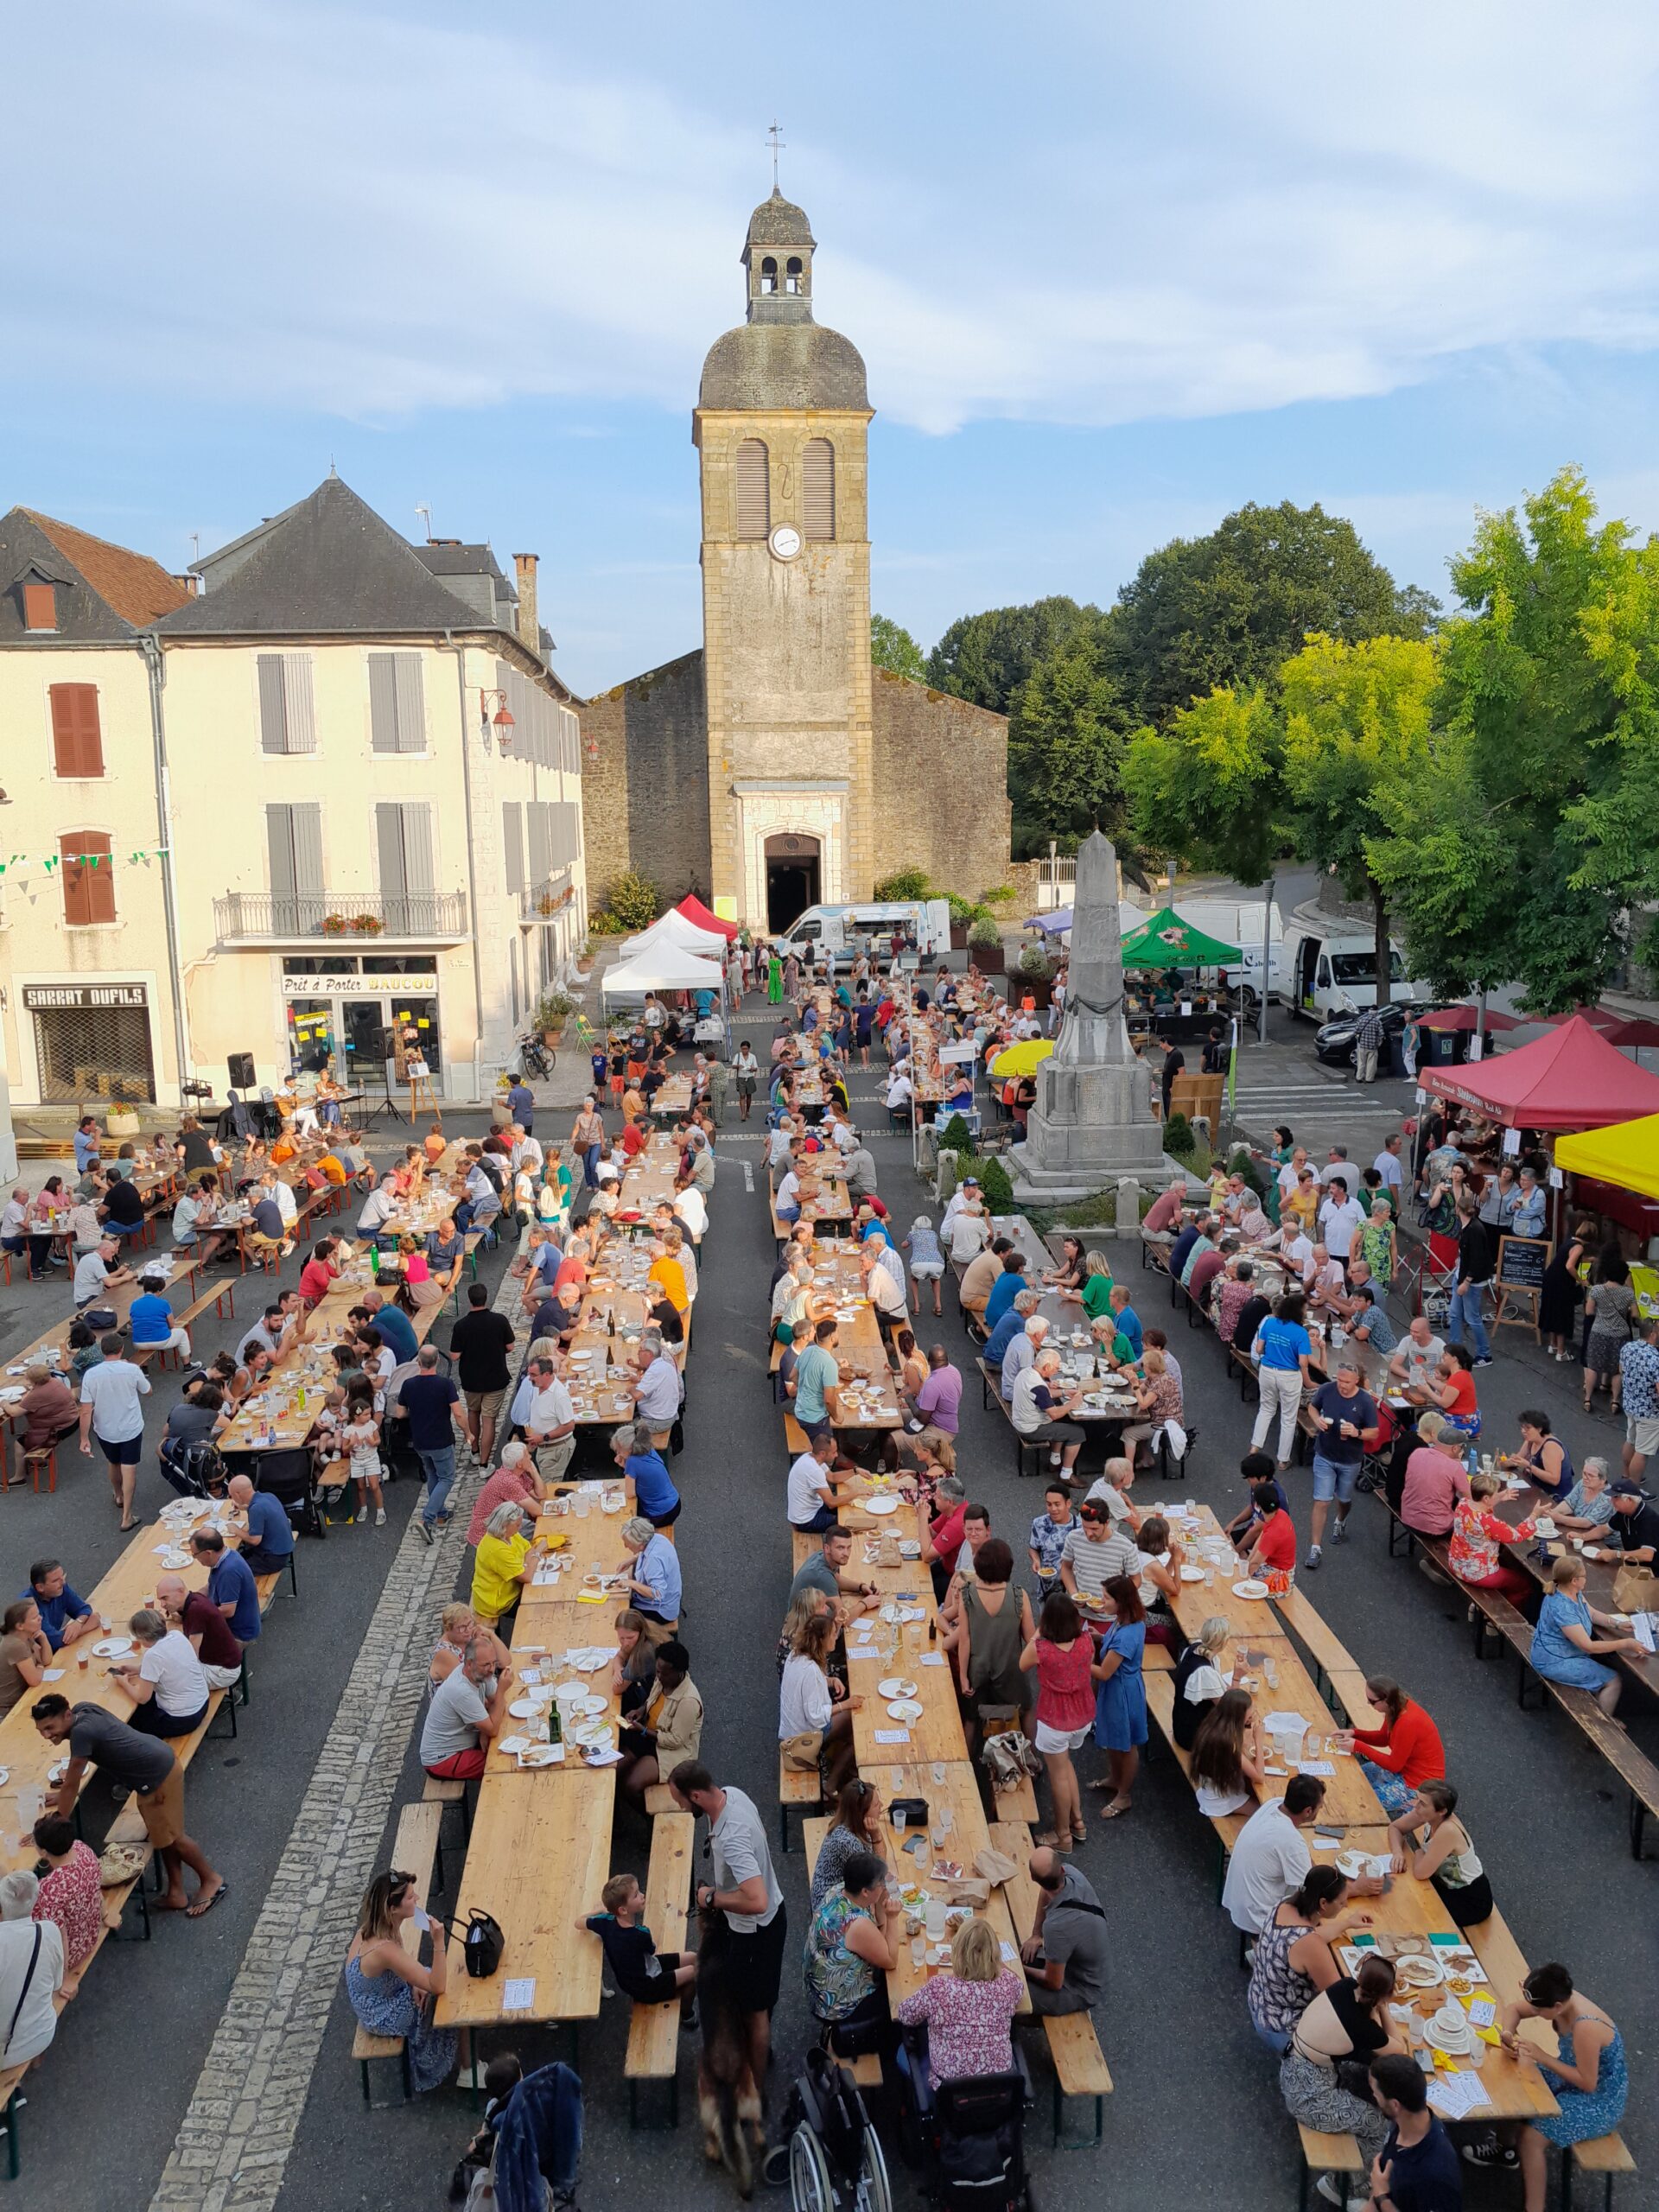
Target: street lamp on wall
494	715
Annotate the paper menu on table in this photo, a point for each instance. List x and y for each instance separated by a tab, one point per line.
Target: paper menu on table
519	1993
1482	2012
892	1735
932	1659
1455	2092
1315	1766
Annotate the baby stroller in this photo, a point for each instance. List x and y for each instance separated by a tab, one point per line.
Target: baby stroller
830	2152
970	2139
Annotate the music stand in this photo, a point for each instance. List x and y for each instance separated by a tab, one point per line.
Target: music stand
385	1104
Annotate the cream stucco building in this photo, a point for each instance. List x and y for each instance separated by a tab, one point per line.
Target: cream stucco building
341	789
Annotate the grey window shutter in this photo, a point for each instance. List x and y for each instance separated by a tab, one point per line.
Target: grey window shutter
279	839
394	881
273	713
819	489
382	702
753	490
419	870
540	864
412	702
296	703
513	837
306	825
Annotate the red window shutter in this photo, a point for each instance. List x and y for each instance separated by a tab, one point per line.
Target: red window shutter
88	892
76	740
39	607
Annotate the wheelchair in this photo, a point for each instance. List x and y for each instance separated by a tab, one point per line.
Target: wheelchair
968	2141
830	2155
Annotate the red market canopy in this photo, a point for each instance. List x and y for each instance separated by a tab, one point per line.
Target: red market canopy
1569	1078
1622	1029
1467	1017
694	909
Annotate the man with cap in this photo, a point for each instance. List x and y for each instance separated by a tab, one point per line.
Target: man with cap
1635	1525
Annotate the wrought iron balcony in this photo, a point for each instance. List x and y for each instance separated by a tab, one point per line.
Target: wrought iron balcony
343	917
546	901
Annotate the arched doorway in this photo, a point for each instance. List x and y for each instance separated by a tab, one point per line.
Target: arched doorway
792	879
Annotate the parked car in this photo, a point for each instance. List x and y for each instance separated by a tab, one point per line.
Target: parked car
1333	1041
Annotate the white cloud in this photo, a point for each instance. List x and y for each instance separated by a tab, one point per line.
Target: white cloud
1174	212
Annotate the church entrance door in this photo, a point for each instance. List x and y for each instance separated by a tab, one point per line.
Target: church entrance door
792	879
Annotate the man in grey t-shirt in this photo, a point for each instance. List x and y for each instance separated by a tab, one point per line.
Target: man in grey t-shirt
464	1715
1066	1953
743	1889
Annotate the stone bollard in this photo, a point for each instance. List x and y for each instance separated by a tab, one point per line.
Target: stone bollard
1128	1206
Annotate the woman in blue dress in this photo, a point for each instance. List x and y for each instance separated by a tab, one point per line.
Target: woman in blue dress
1121	1698
388	1988
1565	1639
1590	2076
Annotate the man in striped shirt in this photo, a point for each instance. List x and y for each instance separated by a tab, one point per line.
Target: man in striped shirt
1093	1554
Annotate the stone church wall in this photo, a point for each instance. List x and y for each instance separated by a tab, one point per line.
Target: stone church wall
941	786
646	794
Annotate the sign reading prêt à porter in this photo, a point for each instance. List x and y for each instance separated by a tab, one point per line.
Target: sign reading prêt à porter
348	986
45	998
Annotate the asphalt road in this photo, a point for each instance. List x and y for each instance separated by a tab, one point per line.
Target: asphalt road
1196	2118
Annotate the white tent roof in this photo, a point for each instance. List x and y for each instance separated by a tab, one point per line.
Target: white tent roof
662	967
673	929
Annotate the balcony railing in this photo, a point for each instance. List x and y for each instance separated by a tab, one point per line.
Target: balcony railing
343	917
545	902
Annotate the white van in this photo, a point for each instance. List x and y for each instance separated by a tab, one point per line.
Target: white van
1325	971
1229	922
841	933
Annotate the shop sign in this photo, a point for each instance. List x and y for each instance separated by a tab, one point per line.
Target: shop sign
45	998
347	986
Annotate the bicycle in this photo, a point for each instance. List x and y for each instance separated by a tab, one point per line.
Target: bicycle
535	1058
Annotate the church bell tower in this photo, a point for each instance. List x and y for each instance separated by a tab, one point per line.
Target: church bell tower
781	427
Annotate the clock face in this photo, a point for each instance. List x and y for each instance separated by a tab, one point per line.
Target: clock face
785	542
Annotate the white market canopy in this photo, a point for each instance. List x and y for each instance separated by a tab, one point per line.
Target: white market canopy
662	967
673	930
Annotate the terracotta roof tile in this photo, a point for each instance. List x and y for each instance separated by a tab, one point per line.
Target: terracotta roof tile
139	589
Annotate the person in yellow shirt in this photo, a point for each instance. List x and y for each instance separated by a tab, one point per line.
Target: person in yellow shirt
504	1561
670	1277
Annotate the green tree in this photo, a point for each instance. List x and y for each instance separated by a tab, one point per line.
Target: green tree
1067	735
895	649
1356	723
1524	853
1225	611
985	658
1210	789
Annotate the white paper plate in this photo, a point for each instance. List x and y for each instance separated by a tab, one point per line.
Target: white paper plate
1418	1970
896	1686
1249	1589
1460	2048
112	1647
905	1708
5	1776
591	1733
56	1771
541	1755
1351	1863
1192	1575
591	1707
574	1687
881	1505
525	1708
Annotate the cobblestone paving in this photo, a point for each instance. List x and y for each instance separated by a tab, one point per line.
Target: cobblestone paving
234	2141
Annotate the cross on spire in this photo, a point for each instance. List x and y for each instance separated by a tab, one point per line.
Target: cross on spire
775	140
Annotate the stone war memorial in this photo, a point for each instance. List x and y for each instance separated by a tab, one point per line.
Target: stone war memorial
1091	1124
777	768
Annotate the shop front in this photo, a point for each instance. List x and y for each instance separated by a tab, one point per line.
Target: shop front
339	1011
93	1042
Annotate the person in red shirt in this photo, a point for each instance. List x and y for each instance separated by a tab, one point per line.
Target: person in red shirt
572	1268
1275	1549
1404	1752
319	1272
636	1135
1164	1216
945	1536
1452	1390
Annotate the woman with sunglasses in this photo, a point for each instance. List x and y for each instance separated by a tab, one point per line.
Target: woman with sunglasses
390	1991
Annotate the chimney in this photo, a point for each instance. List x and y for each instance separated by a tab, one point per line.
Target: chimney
530	625
190	583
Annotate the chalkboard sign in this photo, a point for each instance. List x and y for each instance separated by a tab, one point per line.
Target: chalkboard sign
1521	1264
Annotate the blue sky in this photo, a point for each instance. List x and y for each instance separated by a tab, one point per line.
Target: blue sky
1114	271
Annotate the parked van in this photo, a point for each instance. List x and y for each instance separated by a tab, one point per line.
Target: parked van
1229	922
841	933
1327	971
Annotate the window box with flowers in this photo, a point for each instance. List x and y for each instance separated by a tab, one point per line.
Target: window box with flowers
367	925
334	925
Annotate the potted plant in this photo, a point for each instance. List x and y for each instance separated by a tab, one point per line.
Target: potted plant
334	925
985	945
121	1121
552	1012
1036	973
585	957
367	925
961	912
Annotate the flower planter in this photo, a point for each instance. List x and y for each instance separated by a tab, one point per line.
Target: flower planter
121	1122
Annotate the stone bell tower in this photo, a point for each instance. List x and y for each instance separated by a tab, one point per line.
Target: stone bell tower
781	426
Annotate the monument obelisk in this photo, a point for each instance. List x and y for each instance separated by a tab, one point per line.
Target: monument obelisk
1091	1122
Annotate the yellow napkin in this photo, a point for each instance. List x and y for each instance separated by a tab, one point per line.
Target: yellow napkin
591	1597
1489	2035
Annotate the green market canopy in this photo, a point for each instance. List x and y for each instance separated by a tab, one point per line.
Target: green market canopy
1164	940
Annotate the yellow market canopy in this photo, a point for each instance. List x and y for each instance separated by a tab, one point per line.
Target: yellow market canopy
1627	1154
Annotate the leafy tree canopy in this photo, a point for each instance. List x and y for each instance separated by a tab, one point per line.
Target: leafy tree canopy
985	658
1067	737
895	649
1226	610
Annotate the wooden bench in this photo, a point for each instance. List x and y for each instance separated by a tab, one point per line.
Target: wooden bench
1327	1651
802	1547
1080	2067
413	1851
866	2069
1161	1705
1024	1446
1019	1803
1326	2154
654	2029
659	1799
801	1788
795	1440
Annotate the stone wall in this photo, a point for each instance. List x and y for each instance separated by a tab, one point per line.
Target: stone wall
645	789
941	786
